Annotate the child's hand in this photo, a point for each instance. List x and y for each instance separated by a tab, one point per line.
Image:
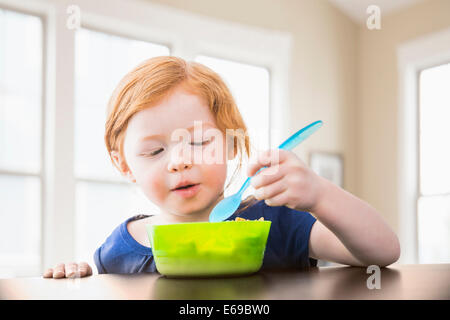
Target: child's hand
286	181
69	270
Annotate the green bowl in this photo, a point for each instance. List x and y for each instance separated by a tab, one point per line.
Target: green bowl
202	249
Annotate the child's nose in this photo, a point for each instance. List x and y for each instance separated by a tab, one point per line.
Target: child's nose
175	167
179	160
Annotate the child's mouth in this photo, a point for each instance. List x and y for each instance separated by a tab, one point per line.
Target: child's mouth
185	187
187	191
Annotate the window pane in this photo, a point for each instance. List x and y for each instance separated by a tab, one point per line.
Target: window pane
434	229
435	130
101	60
20	91
100	209
249	86
20	226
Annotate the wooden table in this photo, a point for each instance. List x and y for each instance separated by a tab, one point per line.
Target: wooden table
397	282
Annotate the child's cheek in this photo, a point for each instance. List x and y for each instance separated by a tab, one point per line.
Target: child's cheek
216	175
154	188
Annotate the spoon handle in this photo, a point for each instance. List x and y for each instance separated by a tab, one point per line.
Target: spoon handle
300	135
289	144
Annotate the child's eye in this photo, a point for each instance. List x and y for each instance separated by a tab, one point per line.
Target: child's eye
154	153
202	143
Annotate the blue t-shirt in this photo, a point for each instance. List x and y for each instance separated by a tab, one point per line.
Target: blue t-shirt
287	244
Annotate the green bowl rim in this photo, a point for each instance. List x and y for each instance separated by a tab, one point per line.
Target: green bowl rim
149	226
205	222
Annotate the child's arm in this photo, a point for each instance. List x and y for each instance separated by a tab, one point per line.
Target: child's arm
69	270
348	230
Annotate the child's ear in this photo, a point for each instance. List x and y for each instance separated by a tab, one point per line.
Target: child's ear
122	165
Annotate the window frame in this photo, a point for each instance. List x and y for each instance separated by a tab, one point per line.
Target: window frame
21	268
419	124
146	22
413	57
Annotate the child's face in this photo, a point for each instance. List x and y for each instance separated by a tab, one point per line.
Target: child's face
158	164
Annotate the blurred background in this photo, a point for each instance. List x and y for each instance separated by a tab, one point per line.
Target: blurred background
376	72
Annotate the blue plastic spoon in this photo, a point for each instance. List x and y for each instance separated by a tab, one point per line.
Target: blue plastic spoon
225	208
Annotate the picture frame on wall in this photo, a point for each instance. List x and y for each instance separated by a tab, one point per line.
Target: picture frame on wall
329	166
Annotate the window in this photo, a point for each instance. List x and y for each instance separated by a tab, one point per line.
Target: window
434	200
103	198
21	47
59	192
249	86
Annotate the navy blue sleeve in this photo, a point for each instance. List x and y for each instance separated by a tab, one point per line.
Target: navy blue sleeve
121	253
98	262
288	241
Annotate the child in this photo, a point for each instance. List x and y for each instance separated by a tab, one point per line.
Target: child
165	95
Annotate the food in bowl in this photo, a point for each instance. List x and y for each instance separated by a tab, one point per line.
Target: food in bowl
203	249
242	219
